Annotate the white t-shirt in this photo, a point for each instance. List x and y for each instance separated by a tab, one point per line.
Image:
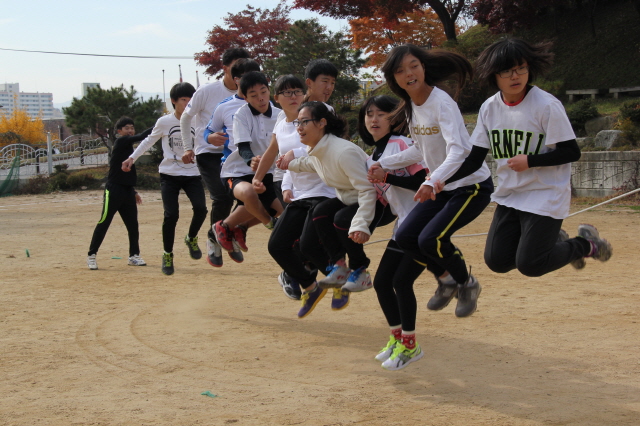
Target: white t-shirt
249	127
303	184
222	120
400	199
438	131
201	107
167	128
534	126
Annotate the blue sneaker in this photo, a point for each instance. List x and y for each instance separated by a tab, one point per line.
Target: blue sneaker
336	277
310	299
340	299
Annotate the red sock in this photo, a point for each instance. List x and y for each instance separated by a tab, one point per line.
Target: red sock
409	340
397	333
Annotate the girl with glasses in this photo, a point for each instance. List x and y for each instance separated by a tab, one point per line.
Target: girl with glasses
533	144
345	223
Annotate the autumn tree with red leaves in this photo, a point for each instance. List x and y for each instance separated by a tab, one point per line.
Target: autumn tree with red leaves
378	35
448	11
256	30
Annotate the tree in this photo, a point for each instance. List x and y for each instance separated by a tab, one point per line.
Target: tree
100	109
378	35
448	11
307	40
254	29
20	127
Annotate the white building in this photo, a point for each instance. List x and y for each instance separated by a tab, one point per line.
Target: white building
33	103
86	86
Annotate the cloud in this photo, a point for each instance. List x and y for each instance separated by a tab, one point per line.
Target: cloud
6	21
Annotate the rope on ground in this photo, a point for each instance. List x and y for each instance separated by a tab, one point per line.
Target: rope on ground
626	194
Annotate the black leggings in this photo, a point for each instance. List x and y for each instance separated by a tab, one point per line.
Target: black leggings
209	165
170	187
295	225
394	286
332	220
529	242
426	232
117	199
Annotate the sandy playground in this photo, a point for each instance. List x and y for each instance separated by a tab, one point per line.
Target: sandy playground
129	346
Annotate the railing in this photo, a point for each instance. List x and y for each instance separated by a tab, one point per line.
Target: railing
76	151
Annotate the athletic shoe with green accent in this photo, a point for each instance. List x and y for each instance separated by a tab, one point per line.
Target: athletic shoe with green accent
578	263
271	224
194	250
600	248
167	264
468	294
310	299
340	299
91	262
136	260
401	357
385	353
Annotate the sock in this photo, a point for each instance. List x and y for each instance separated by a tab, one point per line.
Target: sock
409	339
397	332
448	280
341	262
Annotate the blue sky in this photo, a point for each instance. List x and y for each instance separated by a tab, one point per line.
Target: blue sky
145	28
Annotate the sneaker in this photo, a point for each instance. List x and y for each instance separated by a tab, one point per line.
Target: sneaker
359	280
290	287
194	250
600	248
310	299
214	253
136	260
91	262
336	278
443	295
401	357
385	353
271	224
468	297
167	263
340	299
236	255
240	238
578	263
224	236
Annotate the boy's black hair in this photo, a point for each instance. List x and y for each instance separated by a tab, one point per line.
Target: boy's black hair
123	121
320	67
511	52
243	65
250	79
287	82
384	103
181	90
232	54
336	125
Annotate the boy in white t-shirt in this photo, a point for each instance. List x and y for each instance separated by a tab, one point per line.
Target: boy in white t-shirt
253	125
533	144
175	176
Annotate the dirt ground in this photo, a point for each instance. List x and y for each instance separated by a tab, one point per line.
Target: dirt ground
129	346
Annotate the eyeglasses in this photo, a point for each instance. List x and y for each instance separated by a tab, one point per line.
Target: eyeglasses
508	73
289	93
302	123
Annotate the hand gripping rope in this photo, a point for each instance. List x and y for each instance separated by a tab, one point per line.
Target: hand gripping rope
572	214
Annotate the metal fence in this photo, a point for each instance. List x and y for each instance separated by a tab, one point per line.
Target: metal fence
77	151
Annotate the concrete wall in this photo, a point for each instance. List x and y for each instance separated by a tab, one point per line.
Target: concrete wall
603	173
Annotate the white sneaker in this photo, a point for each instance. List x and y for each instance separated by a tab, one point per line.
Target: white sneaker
336	277
359	280
136	260
386	352
91	262
401	357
